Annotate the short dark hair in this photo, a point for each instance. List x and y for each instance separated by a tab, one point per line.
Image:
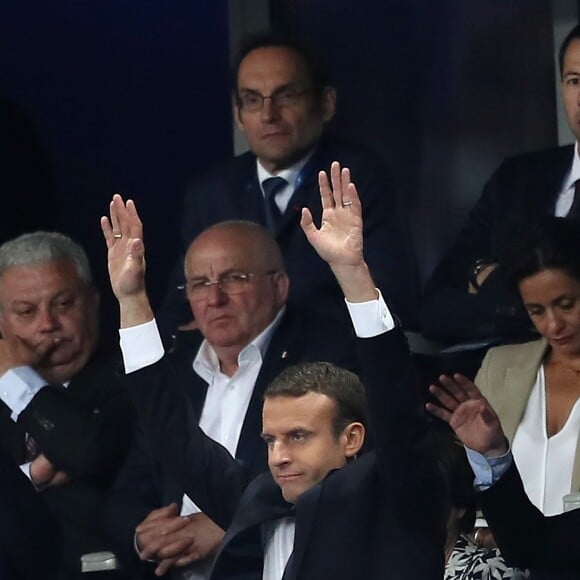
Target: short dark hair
318	75
338	384
547	243
572	35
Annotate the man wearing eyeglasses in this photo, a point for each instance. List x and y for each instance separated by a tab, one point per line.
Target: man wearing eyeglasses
282	102
237	287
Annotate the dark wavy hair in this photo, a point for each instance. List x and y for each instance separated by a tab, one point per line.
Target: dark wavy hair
547	243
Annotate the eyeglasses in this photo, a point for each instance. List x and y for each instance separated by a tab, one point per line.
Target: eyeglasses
230	284
252	101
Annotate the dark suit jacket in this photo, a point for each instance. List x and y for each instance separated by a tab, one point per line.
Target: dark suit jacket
231	191
144	485
378	517
525	536
30	543
84	430
523	188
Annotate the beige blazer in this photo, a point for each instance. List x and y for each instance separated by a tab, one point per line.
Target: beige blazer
506	377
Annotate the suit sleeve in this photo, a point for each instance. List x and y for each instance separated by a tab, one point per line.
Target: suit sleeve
204	469
448	311
133	496
526	537
84	430
405	456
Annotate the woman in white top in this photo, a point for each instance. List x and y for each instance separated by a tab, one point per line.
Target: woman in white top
534	387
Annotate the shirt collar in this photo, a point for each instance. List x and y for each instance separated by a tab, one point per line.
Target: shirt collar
290	174
574	174
206	362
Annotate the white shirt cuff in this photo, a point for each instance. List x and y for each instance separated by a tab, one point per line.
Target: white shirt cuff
18	387
370	318
487	470
141	346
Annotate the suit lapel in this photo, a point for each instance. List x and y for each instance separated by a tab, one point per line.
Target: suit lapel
305	508
518	384
281	353
306	191
544	188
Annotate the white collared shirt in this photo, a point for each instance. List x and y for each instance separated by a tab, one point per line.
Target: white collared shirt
566	195
227	399
291	175
369	319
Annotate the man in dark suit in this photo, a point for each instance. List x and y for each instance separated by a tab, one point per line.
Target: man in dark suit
237	289
282	101
549	545
64	416
320	512
30	545
465	299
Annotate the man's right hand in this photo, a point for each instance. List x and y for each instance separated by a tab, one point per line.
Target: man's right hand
469	414
123	234
339	239
16	352
176	541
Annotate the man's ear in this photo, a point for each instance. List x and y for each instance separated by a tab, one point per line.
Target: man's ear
328	103
236	113
354	434
282	286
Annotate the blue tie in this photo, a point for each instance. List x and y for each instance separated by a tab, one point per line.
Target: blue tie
271	187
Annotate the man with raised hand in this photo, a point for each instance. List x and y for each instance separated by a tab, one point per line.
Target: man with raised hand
237	289
320	512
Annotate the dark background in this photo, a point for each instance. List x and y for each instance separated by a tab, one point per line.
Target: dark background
132	96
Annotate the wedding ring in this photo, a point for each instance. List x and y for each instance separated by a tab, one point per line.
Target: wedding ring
346	203
117	236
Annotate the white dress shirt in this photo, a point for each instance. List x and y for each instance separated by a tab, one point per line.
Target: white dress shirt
293	177
566	194
545	463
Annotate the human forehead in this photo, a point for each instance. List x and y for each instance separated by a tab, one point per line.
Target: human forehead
571	62
221	251
268	68
548	285
39	282
284	414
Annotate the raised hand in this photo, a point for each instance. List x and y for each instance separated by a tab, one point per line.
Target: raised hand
339	240
469	414
123	234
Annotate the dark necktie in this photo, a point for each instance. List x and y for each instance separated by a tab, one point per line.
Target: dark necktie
575	207
271	187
